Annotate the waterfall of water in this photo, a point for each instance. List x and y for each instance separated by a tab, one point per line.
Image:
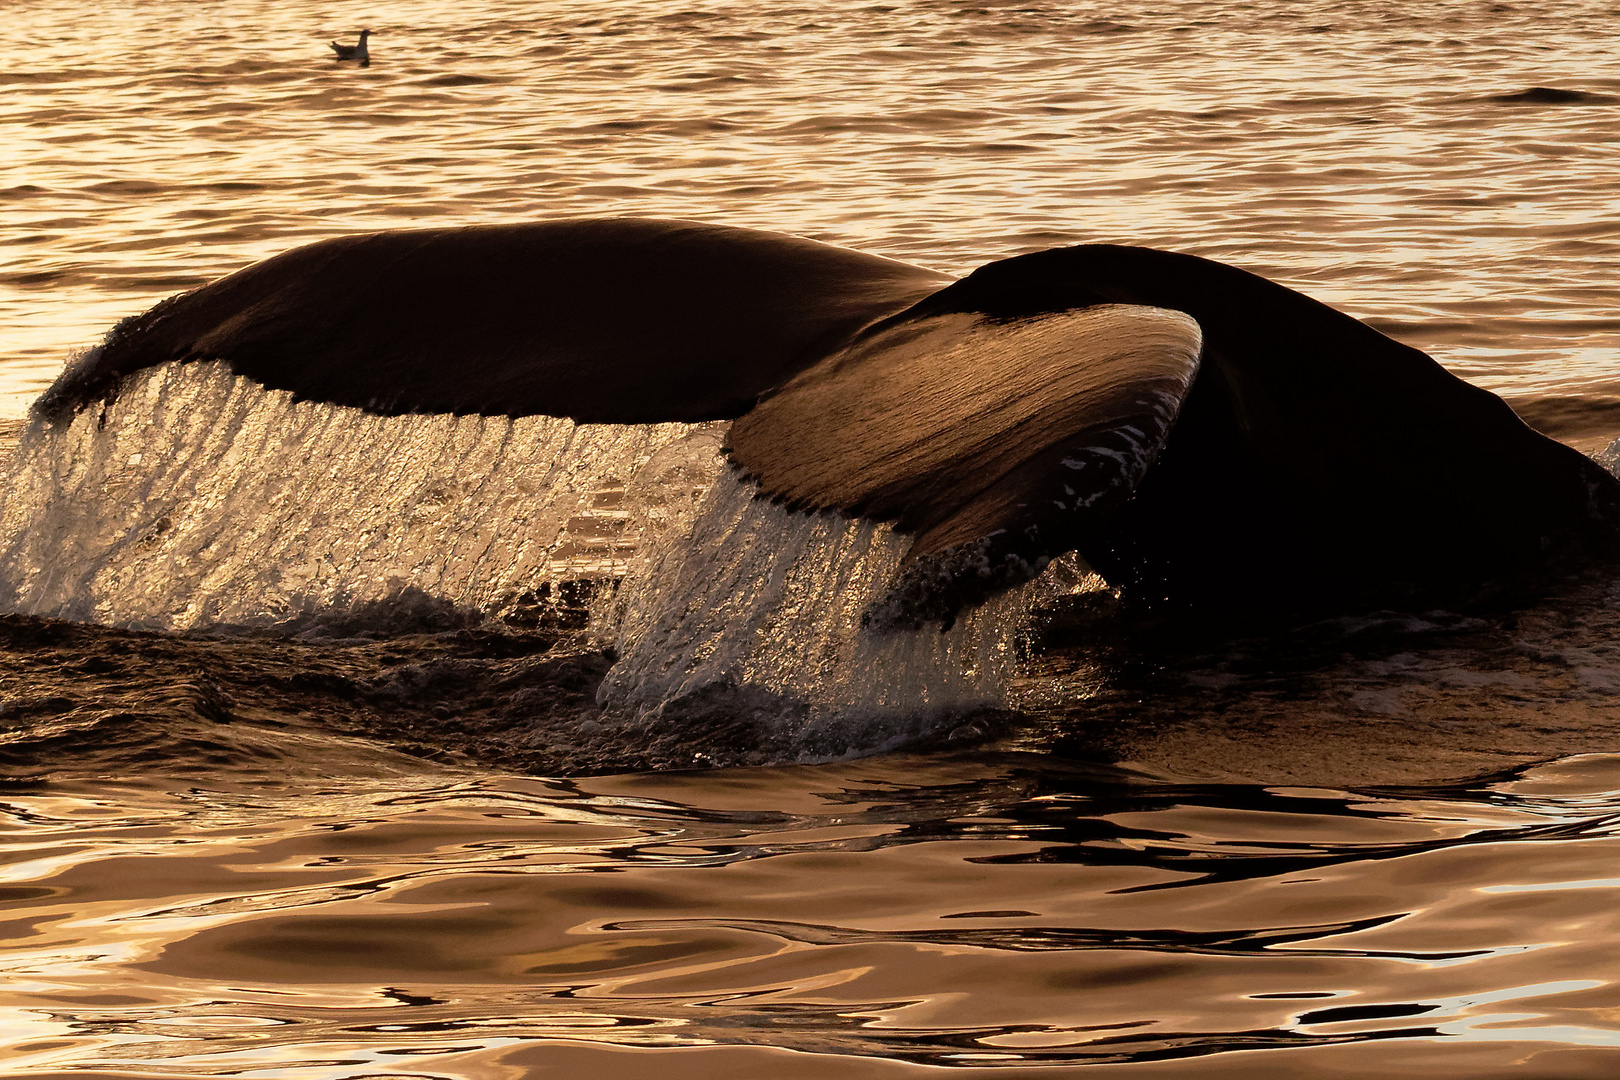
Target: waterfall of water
199	500
764	607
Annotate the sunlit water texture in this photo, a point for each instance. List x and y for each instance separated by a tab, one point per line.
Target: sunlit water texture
345	824
976	914
1352	149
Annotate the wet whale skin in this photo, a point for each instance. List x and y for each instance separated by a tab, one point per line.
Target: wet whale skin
1265	453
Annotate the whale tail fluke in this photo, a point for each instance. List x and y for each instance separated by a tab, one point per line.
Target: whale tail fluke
617	321
1202	436
996	444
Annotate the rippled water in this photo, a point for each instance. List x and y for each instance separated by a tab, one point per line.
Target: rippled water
339	846
1351	149
976	913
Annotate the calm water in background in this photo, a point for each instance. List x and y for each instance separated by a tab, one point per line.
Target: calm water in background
1348	149
1235	862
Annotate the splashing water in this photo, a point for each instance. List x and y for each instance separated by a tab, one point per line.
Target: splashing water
766	605
198	500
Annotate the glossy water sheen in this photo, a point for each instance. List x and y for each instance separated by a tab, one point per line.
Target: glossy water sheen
1185	857
1348	148
976	914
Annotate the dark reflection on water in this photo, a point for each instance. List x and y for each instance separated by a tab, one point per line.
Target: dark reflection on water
469	922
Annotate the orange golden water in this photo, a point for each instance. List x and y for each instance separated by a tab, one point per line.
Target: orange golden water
1272	881
1001	915
1350	149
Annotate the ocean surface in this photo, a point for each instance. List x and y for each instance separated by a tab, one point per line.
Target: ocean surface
334	746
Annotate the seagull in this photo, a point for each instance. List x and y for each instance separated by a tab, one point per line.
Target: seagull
355	52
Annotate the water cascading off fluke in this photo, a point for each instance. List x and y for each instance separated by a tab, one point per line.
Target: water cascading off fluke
198	501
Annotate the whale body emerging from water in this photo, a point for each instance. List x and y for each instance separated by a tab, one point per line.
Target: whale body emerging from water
1203	437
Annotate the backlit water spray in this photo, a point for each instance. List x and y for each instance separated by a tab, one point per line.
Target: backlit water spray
198	501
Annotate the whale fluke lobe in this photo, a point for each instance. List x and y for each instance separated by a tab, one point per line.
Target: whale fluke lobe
1203	437
996	443
1316	462
614	321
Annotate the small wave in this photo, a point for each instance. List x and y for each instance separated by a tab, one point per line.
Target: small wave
1550	95
129	187
104	700
463	80
1105	26
1564	417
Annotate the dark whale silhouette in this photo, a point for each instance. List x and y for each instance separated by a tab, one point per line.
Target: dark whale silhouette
1202	436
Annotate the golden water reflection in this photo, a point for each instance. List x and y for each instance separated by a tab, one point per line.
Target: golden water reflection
854	913
1370	155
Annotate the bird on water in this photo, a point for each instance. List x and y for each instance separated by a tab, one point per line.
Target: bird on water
355	52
